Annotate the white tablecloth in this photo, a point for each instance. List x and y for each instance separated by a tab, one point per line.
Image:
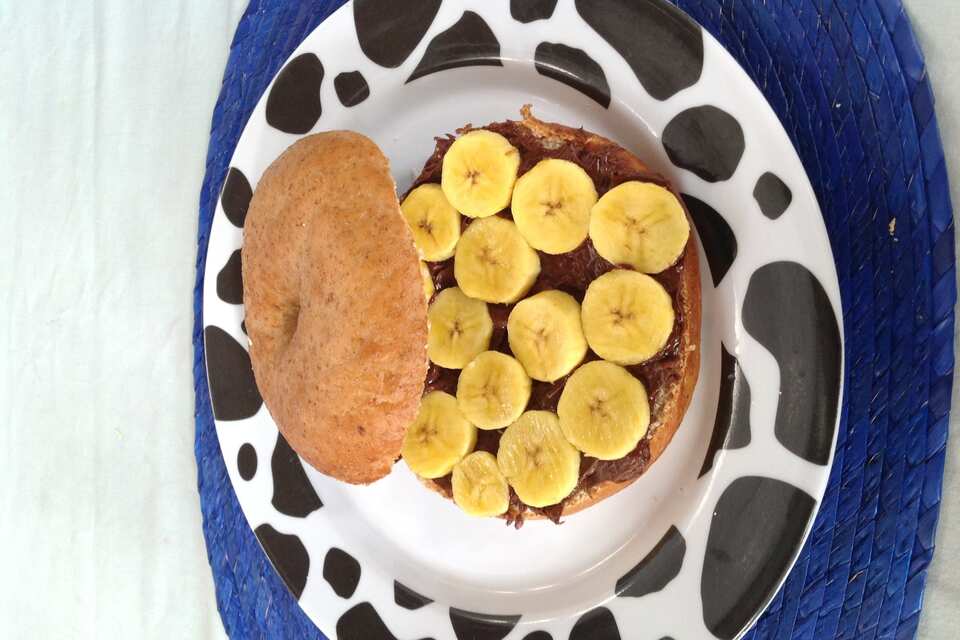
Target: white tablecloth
105	111
105	107
937	23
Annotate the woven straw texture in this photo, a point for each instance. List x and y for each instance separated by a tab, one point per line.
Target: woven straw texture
848	81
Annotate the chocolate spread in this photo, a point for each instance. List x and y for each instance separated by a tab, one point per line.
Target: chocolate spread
571	272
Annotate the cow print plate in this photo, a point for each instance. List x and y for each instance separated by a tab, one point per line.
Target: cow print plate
699	545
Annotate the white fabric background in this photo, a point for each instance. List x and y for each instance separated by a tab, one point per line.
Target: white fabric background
105	107
937	23
105	110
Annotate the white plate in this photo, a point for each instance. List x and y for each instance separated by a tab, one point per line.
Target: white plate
698	546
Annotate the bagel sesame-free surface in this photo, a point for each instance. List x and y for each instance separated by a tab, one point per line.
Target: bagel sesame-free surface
334	305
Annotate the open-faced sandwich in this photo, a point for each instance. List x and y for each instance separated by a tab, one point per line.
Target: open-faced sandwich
522	327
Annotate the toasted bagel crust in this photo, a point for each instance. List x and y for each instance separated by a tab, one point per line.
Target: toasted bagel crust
334	305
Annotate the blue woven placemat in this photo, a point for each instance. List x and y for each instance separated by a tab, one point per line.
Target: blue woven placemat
848	81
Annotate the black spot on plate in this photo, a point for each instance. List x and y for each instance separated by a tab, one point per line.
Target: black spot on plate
657	569
293	105
731	427
596	624
538	635
531	10
236	197
389	30
342	571
716	236
408	598
362	622
772	195
468	43
293	495
468	625
351	87
705	140
288	556
247	461
232	388
574	68
787	311
230	280
661	44
754	535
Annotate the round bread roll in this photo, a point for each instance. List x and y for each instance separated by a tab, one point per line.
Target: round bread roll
334	303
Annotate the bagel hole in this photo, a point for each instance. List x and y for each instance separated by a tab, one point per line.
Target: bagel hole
290	321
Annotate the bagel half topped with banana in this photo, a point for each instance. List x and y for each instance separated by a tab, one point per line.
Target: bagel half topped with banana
522	326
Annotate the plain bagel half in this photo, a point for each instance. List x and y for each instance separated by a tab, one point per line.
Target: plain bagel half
334	305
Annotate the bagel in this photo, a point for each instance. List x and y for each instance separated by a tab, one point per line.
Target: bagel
670	377
334	304
338	321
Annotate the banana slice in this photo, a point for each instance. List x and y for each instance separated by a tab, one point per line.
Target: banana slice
494	263
493	390
460	329
434	223
627	316
479	171
603	410
478	486
551	205
538	462
639	224
428	288
546	336
439	437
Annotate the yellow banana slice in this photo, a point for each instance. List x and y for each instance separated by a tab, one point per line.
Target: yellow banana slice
640	224
428	288
546	336
434	223
538	462
551	205
627	316
460	329
603	410
493	390
478	486
494	263
479	171
439	437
